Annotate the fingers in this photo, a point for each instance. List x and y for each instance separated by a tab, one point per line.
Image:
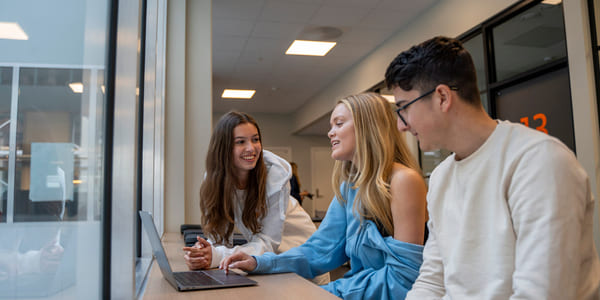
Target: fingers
239	260
202	242
197	252
196	263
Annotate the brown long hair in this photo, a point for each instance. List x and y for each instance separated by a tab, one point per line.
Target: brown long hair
218	188
378	146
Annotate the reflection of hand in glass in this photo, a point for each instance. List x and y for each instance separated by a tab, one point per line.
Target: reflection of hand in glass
50	256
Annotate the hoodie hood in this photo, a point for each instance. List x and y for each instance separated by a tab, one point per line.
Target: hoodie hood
279	173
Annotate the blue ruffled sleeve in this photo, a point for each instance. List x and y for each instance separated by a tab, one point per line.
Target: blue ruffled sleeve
388	268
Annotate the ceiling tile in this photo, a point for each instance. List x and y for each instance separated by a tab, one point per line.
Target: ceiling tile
339	16
237	9
280	30
371	37
223	62
232	27
279	11
383	19
353	3
221	43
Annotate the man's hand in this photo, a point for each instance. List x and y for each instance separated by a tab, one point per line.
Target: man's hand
199	256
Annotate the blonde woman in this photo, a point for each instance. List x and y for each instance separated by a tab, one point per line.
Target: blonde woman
246	187
377	219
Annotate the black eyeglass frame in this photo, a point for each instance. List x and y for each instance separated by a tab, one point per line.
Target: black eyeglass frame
403	107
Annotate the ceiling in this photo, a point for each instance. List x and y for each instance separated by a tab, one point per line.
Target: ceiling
250	38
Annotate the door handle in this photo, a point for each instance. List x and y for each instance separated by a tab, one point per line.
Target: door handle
317	193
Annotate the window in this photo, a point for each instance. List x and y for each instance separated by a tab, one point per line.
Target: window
52	125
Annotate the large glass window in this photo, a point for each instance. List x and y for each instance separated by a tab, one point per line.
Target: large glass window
533	38
51	148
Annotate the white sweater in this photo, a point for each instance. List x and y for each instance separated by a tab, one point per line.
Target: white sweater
514	220
286	224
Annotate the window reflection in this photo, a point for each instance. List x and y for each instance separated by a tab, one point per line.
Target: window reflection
533	38
51	144
5	96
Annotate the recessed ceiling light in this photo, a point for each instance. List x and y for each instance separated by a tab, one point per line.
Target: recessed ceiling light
238	94
389	98
314	48
76	87
12	31
552	2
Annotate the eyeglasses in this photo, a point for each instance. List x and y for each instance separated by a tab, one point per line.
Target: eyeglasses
402	108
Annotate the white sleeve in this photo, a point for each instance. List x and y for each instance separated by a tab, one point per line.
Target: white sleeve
269	239
547	197
430	283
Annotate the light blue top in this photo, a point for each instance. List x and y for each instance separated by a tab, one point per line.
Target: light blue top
381	267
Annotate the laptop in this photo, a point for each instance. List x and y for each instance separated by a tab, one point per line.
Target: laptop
189	280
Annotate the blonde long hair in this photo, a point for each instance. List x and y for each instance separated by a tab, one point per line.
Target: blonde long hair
378	146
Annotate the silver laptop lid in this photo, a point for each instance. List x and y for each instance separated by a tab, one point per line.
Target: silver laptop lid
157	248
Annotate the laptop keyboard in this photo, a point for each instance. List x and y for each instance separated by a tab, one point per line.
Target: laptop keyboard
195	279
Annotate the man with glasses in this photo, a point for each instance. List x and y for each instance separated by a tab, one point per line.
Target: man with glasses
511	210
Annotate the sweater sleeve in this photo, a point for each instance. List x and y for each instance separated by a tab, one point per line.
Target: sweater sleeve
322	252
547	196
430	283
269	239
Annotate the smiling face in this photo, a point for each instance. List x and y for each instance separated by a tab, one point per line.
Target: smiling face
246	149
341	134
419	116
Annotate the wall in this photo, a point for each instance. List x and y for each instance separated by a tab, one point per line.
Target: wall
583	96
188	108
276	132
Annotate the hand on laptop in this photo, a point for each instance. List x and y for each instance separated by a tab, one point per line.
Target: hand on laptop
199	256
239	260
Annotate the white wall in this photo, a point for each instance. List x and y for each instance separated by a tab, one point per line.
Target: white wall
198	102
188	108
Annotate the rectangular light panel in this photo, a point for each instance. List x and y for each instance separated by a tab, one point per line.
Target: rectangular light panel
238	94
12	31
313	48
76	87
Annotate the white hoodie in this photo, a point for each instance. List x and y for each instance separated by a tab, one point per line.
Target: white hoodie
286	224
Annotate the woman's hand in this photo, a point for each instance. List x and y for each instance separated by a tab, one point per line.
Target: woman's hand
199	256
239	260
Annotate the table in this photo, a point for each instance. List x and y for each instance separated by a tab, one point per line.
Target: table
275	286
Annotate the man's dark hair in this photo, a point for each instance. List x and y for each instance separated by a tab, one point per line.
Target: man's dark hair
440	60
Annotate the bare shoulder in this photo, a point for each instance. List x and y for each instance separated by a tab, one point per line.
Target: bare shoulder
403	177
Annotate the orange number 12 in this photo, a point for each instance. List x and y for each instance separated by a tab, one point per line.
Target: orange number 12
540	116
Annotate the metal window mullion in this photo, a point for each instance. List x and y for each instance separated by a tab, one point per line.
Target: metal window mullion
12	145
90	147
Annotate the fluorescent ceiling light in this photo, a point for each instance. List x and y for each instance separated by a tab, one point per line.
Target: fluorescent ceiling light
552	2
76	87
389	98
313	48
238	94
12	31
